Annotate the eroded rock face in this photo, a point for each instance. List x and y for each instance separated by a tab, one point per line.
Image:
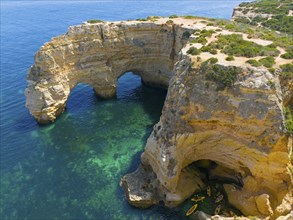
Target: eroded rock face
97	54
239	127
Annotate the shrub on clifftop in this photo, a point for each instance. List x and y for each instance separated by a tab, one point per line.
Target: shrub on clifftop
94	21
223	76
193	51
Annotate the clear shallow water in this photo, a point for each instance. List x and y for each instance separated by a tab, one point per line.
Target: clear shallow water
71	169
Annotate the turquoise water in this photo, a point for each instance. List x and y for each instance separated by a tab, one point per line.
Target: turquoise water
72	168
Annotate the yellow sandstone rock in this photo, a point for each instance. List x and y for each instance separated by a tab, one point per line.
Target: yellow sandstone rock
239	128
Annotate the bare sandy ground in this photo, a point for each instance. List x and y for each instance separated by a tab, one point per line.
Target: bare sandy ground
201	23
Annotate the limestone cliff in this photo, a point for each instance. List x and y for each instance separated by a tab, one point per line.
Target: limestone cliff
228	112
97	54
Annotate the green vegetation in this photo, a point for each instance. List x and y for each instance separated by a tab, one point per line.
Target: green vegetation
279	21
201	38
207	49
253	62
282	40
153	18
94	21
213	51
230	58
288	54
272	70
287	70
206	33
267	61
141	19
169	22
212	60
186	35
271	84
288	120
173	16
193	51
242	20
234	45
224	76
190	17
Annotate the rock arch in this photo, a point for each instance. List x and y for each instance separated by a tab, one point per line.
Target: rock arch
240	127
97	54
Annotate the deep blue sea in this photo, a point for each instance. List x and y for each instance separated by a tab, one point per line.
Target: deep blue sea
72	168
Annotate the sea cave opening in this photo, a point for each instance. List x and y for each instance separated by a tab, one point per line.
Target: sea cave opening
209	194
125	121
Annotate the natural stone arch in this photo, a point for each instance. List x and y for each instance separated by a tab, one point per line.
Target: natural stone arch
231	127
97	54
244	123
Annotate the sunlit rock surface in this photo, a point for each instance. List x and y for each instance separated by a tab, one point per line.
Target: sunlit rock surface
97	54
239	127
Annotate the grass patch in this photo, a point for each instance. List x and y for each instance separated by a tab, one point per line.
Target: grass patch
193	51
200	40
94	21
235	45
253	62
267	61
173	16
230	58
278	9
190	17
141	19
212	60
287	70
153	17
288	54
169	22
283	40
202	35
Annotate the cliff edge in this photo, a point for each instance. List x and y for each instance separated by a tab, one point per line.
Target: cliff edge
224	104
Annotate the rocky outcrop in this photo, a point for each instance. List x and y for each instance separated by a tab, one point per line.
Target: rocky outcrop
238	127
286	82
98	54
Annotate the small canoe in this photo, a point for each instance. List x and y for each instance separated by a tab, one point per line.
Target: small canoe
191	210
209	191
198	199
219	198
217	210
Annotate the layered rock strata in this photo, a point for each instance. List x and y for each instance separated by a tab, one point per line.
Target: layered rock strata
239	127
98	54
